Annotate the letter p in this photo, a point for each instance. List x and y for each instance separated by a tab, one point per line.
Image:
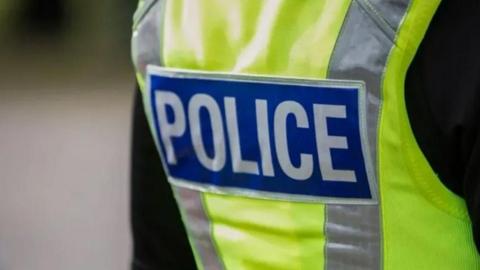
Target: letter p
168	130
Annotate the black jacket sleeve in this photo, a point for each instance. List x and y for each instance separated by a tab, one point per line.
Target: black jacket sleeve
443	100
159	237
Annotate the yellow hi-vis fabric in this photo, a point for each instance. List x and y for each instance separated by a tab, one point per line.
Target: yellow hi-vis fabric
422	224
425	226
258	37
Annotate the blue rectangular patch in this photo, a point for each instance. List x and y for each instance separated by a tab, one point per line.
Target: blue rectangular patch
266	137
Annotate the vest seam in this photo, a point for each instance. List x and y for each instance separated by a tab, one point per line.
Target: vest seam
382	18
378	19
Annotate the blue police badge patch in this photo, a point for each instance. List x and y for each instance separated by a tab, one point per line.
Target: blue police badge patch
266	137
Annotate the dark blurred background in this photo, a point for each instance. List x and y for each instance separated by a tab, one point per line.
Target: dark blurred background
66	85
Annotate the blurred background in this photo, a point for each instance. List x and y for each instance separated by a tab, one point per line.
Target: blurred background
66	87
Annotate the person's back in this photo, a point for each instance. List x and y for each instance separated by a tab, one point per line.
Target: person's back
323	170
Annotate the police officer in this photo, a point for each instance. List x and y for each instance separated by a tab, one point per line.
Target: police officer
357	148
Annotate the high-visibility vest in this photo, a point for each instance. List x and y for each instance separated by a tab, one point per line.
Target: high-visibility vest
410	221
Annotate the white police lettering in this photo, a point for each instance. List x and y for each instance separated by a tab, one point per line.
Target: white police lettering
239	165
324	142
263	133
265	137
197	102
173	129
305	170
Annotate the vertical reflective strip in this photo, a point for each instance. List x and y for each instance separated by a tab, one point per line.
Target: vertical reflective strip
147	35
198	226
147	44
147	47
393	11
353	232
353	237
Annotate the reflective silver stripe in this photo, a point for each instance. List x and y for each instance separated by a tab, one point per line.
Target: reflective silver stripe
354	244
147	50
198	226
143	7
147	35
382	24
353	232
392	11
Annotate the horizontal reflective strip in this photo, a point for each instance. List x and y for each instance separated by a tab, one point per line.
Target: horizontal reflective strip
262	195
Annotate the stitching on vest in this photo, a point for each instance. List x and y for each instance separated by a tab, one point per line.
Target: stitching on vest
378	19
